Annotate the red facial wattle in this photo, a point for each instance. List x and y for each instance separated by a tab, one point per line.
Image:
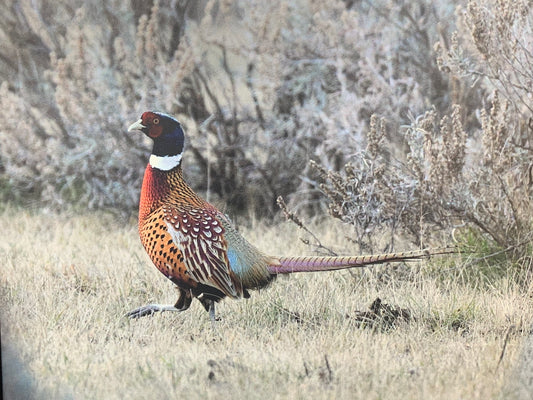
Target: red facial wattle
155	131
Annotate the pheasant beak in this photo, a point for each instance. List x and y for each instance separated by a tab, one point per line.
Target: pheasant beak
137	125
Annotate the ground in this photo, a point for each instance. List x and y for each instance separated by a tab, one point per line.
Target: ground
67	281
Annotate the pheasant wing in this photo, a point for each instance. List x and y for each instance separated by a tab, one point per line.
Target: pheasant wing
199	235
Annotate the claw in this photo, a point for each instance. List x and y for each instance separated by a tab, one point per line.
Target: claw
150	309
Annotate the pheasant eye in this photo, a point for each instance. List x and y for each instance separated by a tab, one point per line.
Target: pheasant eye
155	121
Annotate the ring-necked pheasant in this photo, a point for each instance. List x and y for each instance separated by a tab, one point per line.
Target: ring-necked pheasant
195	245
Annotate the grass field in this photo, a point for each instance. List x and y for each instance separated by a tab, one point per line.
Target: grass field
67	280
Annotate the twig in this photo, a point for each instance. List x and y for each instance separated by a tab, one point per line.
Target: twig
496	253
511	204
509	330
249	84
290	216
329	378
294	315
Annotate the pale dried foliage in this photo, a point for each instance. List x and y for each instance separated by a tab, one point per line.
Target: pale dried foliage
494	44
470	166
260	89
69	120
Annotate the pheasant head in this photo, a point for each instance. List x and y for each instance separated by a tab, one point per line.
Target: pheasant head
168	137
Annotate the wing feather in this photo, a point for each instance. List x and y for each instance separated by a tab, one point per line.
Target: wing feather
199	235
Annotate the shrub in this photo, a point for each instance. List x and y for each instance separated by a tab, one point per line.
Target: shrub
464	168
259	93
74	111
404	136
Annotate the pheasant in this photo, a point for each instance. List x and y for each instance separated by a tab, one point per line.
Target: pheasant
196	246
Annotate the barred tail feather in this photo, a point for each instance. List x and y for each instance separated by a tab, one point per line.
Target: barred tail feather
288	265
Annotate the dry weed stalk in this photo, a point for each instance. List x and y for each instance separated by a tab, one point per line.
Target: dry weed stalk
495	43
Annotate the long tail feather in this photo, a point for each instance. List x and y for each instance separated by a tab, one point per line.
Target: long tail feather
289	265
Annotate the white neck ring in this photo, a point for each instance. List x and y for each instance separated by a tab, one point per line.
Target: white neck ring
165	163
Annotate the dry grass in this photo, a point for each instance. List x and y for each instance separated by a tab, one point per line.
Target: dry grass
67	280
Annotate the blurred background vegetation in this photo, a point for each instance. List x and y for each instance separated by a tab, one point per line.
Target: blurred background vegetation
413	118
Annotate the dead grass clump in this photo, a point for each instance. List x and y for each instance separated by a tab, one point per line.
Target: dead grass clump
381	316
